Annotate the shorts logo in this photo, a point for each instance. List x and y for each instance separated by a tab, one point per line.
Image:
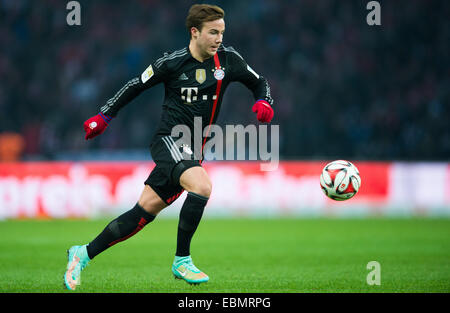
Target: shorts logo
186	149
200	75
147	74
219	74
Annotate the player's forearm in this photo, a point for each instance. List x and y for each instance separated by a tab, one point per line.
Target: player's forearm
261	90
124	96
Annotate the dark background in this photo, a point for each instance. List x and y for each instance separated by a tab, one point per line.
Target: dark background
342	89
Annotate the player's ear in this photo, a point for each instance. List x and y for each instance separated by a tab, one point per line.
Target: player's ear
194	32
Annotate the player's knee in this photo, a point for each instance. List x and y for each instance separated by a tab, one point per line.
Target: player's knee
195	179
149	206
150	201
201	187
204	188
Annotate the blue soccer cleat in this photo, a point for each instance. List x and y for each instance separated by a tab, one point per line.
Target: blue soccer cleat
78	260
183	268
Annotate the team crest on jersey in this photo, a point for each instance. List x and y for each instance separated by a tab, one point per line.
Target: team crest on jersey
219	74
200	75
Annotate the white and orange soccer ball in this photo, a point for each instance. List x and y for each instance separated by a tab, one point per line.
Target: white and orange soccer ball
340	180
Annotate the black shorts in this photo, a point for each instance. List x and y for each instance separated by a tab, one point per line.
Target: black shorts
171	161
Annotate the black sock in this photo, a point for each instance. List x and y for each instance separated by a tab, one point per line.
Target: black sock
190	216
120	229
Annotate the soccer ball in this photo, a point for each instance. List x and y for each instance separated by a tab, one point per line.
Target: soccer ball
340	180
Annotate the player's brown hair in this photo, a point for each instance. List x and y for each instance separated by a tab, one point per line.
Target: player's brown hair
200	13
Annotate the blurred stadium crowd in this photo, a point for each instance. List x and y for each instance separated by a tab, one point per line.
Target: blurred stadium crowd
342	89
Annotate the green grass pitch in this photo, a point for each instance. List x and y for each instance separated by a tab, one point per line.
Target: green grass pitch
239	255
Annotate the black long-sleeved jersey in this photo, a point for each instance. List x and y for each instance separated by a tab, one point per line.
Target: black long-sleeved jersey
192	88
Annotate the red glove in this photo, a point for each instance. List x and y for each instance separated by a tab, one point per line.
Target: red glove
96	125
263	110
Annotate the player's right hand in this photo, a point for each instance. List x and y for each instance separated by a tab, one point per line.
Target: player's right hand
96	125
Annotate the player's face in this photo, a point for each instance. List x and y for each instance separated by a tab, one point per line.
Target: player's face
210	37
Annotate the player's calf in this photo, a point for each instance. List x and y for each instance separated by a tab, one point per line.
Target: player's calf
120	229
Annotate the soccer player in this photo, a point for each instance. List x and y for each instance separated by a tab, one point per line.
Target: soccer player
195	79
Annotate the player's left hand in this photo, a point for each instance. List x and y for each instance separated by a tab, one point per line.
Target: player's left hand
263	110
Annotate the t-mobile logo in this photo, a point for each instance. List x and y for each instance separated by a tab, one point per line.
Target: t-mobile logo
189	94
